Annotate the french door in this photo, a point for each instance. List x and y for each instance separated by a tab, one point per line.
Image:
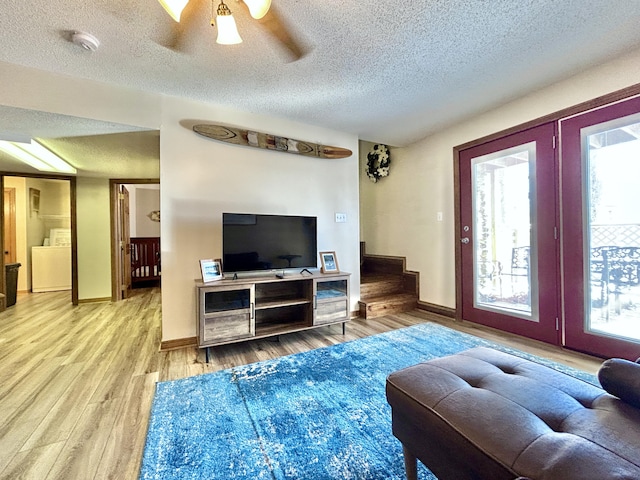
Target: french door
550	238
601	230
509	236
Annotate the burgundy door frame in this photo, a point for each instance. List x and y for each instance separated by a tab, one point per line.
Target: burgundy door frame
573	239
546	328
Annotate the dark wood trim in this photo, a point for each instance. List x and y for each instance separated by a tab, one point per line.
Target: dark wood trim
49	175
95	300
3	287
73	192
599	102
113	217
411	280
457	236
438	309
178	343
134	181
604	100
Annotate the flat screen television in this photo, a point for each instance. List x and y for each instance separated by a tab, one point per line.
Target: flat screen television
253	242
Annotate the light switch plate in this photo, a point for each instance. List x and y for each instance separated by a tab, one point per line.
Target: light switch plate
341	217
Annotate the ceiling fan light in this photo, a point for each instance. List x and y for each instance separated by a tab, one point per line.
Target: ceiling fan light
174	7
258	8
228	31
227	28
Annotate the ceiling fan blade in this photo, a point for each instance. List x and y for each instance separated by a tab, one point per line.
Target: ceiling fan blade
273	24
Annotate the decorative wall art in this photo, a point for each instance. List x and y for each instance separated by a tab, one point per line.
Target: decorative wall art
154	215
378	162
34	201
250	138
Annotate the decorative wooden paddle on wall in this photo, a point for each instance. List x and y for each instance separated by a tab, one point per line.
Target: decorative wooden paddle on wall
239	136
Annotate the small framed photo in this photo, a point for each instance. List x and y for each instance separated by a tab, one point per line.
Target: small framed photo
34	201
211	270
329	262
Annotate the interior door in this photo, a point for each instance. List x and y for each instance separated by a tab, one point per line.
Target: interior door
601	230
125	242
9	225
508	234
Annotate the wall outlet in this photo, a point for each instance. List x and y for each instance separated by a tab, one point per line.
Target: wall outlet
439	216
341	217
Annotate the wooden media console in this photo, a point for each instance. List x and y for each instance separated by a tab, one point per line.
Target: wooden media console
230	311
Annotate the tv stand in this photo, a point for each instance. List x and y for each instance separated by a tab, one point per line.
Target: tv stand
231	311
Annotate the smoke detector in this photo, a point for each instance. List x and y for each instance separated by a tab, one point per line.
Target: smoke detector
85	40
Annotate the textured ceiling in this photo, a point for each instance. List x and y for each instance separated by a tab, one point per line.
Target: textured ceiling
387	72
96	149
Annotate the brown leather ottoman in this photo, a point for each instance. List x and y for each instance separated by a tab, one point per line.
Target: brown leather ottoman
484	414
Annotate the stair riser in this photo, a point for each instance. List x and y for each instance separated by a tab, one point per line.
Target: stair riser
388	307
388	265
385	287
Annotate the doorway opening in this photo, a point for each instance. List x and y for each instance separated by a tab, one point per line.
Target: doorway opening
39	238
135	234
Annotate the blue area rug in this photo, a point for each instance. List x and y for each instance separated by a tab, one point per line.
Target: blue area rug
316	415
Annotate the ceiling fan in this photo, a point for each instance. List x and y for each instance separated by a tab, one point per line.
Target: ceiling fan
185	12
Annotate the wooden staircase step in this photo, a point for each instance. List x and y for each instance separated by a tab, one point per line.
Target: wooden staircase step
382	264
387	305
379	285
386	286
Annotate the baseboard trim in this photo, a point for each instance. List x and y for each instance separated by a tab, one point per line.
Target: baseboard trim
94	300
178	343
438	309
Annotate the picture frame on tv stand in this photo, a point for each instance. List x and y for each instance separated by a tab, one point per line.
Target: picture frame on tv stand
329	262
211	270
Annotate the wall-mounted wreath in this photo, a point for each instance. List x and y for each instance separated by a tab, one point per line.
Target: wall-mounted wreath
378	162
154	215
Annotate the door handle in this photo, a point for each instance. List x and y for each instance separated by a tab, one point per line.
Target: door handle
465	240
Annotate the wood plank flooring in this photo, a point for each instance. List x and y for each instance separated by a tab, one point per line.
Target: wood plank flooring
76	383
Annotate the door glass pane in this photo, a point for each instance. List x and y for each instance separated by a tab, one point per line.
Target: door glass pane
612	259
504	266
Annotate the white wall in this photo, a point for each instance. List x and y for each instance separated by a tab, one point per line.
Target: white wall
147	201
33	89
398	214
143	198
94	238
201	178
